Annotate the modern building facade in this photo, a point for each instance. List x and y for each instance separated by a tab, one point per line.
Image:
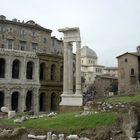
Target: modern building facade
31	63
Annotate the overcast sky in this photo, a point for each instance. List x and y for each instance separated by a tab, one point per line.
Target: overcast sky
109	27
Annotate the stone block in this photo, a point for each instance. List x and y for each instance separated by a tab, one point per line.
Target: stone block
4	109
11	114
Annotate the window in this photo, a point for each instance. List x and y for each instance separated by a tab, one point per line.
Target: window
34	46
9	43
2	68
29	70
42	71
125	60
15	69
132	71
23	45
45	40
53	72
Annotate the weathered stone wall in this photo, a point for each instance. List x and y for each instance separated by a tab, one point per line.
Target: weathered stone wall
104	85
127	82
52	88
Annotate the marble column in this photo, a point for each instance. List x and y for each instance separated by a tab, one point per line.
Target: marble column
7	99
65	72
70	68
78	67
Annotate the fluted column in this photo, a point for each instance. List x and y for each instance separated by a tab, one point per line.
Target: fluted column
78	67
70	69
65	77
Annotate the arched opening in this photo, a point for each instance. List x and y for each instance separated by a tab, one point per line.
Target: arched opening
61	73
15	96
42	71
29	70
132	71
53	72
1	99
15	69
42	102
29	101
2	68
53	102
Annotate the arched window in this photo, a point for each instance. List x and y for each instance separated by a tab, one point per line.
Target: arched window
29	70
53	72
61	73
42	102
29	101
132	71
2	68
14	102
54	101
1	99
42	71
15	69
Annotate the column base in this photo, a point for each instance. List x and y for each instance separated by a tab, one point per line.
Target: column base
70	108
71	100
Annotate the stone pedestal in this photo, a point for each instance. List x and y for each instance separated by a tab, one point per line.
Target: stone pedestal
71	100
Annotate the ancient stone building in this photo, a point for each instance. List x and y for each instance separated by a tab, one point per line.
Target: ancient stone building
128	72
105	86
111	71
31	66
51	81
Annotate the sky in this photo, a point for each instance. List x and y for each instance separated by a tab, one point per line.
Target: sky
109	27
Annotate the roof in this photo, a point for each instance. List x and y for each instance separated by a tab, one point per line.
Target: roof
87	52
131	53
28	24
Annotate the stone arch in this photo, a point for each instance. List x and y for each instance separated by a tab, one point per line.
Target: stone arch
2	68
42	71
30	70
42	101
15	69
15	101
53	72
1	99
54	101
29	100
61	73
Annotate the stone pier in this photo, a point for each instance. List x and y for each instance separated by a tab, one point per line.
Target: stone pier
68	98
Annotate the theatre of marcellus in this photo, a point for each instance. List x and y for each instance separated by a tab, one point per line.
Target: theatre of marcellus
31	67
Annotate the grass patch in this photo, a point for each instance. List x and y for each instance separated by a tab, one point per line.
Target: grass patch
67	122
125	99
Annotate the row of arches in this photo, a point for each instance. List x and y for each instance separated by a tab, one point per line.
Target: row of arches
29	101
16	68
53	72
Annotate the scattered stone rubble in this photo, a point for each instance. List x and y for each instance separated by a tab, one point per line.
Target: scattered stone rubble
93	107
25	118
51	136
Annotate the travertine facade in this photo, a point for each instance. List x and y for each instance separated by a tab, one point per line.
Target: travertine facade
128	72
27	51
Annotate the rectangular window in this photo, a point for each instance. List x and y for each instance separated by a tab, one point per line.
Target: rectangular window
9	43
34	46
23	45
